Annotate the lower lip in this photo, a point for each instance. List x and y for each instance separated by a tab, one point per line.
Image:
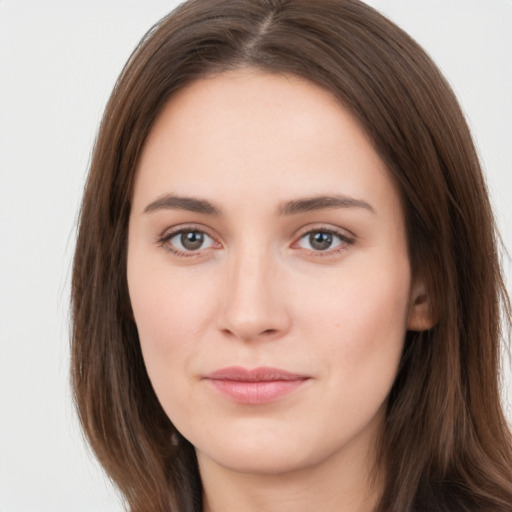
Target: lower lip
258	392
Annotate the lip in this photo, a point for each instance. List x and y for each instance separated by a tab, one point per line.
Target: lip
255	386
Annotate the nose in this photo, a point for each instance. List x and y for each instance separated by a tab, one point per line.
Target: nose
254	302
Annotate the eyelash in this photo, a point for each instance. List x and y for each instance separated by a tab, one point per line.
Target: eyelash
344	239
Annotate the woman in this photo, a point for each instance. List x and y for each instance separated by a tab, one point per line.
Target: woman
286	288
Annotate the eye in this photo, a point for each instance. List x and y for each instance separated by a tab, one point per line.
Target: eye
323	240
186	241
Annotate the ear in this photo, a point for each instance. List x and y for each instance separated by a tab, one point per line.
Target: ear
421	312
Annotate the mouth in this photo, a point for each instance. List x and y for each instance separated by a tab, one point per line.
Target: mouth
254	386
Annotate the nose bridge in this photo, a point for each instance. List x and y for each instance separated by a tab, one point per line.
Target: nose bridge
253	304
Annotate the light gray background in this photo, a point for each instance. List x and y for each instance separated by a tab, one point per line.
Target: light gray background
58	63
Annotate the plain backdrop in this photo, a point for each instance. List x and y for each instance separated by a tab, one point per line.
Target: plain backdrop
58	63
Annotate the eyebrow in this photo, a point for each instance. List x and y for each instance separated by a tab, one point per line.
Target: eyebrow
323	202
191	204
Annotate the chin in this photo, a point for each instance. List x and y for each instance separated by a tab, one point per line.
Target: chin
257	461
264	455
273	448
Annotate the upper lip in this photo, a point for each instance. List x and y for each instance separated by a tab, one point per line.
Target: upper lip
261	374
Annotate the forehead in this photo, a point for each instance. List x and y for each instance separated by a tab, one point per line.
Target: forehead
253	107
251	131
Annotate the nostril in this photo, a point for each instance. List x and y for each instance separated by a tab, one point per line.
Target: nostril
267	333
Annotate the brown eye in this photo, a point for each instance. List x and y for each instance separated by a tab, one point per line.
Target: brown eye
323	240
192	240
188	240
320	241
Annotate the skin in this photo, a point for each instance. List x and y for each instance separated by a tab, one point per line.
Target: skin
259	292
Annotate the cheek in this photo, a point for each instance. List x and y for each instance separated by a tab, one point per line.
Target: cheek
359	333
170	313
171	309
359	322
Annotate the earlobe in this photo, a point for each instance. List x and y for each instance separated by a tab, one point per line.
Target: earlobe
421	312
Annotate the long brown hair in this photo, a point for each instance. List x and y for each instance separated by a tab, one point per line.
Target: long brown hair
446	444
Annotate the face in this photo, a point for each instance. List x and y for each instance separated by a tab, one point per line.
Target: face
268	273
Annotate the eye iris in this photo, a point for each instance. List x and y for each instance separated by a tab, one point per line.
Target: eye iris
192	240
320	240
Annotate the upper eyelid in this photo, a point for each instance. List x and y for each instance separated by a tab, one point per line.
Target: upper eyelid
342	232
169	232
